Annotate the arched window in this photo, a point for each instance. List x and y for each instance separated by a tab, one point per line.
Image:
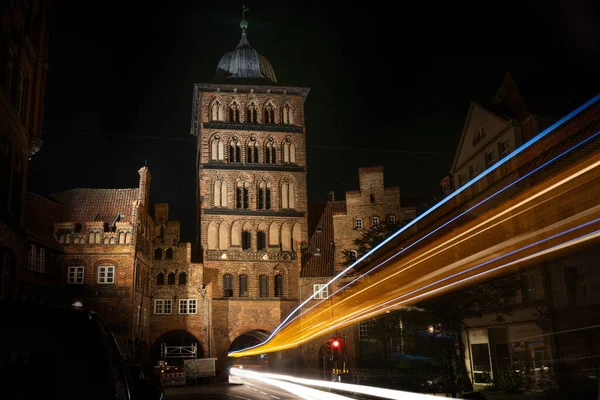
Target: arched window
352	255
235	151
171	278
223	236
287	114
288	198
92	238
242	197
127	238
157	253
264	196
227	285
160	279
252	114
236	234
296	237
106	240
182	278
286	237
264	286
269	116
375	221
270	152
169	254
246	240
111	241
391	220
212	238
274	234
216	111
217	150
252	152
99	238
289	151
220	194
358	223
234	112
243	285
261	240
278	286
122	238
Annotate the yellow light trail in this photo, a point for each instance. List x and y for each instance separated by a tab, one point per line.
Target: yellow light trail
558	212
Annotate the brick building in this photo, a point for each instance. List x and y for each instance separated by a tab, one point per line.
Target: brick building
106	236
251	195
23	64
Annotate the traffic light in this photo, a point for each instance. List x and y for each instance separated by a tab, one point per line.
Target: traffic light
336	346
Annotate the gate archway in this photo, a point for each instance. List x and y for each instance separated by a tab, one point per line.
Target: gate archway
172	340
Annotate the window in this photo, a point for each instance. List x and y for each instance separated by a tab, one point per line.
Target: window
242	198
261	240
227	285
490	158
160	279
372	198
252	152
171	278
216	111
269	116
246	240
320	291
391	220
243	285
503	148
375	221
478	135
234	151
288	199
157	254
42	261
264	286
278	286
575	285
32	257
270	152
352	255
358	223
217	149
287	114
366	330
182	278
163	306
220	194
319	229
234	112
252	114
473	170
169	254
188	306
75	275
462	179
527	284
317	252
106	275
264	196
289	151
393	346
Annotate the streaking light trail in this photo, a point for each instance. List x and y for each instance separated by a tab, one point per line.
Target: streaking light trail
517	226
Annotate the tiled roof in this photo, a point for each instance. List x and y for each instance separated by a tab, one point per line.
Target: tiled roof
40	215
338	207
320	230
87	205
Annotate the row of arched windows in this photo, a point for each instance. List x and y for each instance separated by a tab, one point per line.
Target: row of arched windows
263	289
264	195
158	254
222	236
252	151
95	237
171	278
254	114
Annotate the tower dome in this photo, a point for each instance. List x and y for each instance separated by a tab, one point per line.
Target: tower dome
244	62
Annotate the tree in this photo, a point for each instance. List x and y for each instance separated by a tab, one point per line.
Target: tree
369	239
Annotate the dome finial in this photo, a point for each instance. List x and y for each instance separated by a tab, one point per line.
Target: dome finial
244	23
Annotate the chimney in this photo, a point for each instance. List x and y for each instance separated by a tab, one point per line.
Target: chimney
144	191
331	196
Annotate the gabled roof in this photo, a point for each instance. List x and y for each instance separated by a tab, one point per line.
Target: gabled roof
106	205
320	230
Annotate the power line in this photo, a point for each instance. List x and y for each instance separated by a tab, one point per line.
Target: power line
127	135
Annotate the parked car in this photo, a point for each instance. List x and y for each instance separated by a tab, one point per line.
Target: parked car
55	352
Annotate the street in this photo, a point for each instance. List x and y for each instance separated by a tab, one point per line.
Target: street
235	389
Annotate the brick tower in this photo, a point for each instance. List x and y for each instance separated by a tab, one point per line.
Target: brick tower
251	195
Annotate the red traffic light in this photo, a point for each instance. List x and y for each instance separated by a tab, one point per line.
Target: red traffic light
335	344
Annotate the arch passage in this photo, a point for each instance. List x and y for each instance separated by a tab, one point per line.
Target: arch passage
172	339
248	339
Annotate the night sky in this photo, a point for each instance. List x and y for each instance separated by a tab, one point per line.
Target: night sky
389	86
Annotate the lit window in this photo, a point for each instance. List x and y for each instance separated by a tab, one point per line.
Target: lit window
366	330
358	223
75	275
32	257
163	306
352	255
106	275
320	291
187	306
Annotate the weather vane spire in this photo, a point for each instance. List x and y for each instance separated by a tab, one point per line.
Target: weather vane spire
244	23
